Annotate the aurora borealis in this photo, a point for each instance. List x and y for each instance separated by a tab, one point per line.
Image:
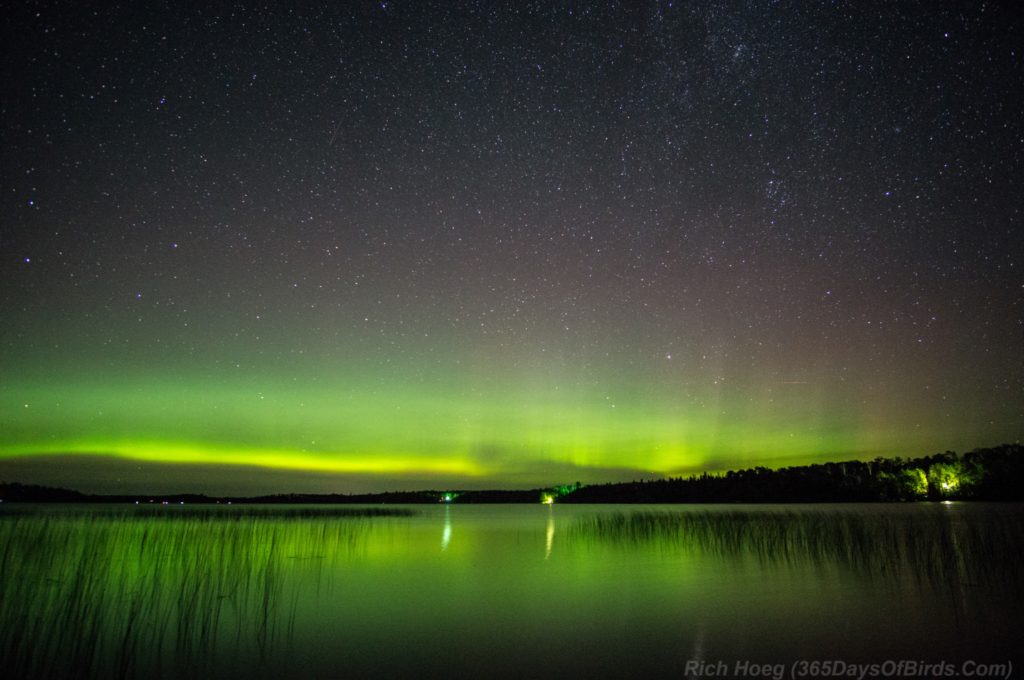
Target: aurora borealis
465	245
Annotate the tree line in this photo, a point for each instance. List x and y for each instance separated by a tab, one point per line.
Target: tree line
992	474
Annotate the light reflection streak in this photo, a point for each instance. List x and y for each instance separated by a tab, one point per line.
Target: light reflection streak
446	534
549	538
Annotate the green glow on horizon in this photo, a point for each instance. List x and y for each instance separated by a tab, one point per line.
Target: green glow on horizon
282	459
493	280
455	427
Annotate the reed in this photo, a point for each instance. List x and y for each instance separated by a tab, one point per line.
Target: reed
937	549
97	592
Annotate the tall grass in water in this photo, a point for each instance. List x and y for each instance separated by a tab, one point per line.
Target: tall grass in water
155	590
939	548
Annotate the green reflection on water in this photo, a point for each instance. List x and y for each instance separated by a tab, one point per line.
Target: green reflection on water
95	590
931	544
496	590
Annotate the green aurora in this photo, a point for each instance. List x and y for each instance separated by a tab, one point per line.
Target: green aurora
406	245
393	428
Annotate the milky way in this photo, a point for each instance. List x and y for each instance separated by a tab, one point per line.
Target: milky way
386	245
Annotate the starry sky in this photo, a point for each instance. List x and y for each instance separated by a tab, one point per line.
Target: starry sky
373	246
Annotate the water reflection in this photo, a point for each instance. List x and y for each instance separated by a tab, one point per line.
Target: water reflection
96	592
697	654
631	590
446	533
549	532
934	545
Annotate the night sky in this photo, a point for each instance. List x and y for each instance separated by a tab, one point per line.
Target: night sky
392	245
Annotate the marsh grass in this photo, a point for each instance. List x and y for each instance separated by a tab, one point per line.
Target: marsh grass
201	591
157	590
939	549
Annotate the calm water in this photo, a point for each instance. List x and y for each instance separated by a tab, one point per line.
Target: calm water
504	591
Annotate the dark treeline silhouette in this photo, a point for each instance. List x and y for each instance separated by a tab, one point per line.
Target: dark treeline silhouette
995	474
32	493
432	496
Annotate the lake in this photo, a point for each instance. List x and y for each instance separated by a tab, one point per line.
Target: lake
508	590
